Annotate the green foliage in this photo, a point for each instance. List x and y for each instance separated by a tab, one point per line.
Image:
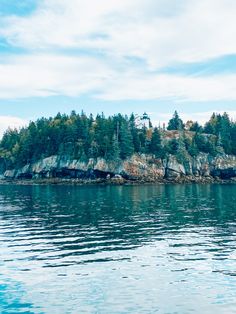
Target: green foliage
182	154
175	123
191	147
74	135
205	144
114	153
172	146
233	138
135	133
126	140
155	146
223	128
83	137
196	127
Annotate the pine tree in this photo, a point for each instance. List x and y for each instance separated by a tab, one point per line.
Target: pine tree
175	123
155	144
114	152
233	137
225	133
126	141
134	133
195	127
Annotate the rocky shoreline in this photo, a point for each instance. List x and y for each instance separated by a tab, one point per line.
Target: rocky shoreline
105	182
138	169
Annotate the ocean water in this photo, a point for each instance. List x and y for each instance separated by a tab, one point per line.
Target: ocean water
118	249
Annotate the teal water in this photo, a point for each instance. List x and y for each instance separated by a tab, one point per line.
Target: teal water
118	249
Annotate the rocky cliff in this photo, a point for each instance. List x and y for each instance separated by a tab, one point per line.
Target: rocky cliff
139	167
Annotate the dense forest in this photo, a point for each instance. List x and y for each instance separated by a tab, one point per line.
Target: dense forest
81	137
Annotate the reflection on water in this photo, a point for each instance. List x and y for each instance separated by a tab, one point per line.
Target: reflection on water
10	299
118	249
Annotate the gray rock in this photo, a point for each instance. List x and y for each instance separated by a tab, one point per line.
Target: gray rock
138	167
10	174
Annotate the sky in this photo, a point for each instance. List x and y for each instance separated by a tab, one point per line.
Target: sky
117	56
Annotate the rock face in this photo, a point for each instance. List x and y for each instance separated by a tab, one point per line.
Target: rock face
138	167
224	167
3	166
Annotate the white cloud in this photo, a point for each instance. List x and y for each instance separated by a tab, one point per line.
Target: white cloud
11	122
161	32
149	86
200	117
45	75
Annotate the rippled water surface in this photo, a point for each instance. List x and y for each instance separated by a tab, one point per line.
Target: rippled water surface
118	249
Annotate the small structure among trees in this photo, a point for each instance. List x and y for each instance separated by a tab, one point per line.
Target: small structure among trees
143	121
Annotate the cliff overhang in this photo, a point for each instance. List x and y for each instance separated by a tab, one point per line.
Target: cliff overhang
139	167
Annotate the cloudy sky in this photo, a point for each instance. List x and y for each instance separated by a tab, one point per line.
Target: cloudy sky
117	56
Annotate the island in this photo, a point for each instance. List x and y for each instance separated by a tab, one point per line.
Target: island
81	149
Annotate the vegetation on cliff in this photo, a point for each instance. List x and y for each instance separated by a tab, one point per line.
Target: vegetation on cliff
118	137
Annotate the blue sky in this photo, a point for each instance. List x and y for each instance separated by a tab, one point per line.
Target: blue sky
116	56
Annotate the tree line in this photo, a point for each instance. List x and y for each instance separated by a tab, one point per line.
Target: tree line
116	137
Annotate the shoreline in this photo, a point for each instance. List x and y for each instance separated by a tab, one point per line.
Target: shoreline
106	182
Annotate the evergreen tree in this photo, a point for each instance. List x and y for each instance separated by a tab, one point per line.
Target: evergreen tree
175	123
126	141
206	144
172	146
193	149
233	138
135	133
155	147
225	133
196	127
82	137
182	154
114	153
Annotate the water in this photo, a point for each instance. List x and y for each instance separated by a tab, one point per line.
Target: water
118	249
